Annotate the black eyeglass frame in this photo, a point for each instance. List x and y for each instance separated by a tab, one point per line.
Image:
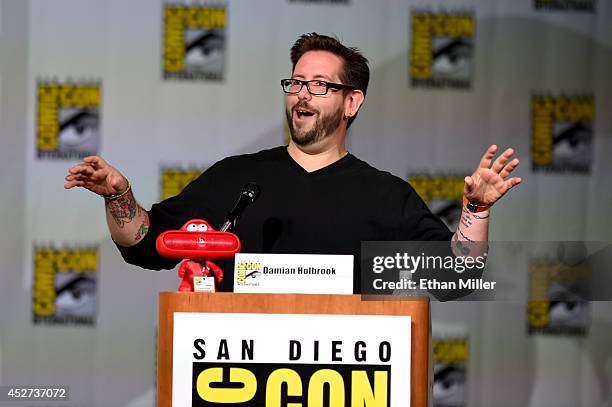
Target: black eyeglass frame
328	86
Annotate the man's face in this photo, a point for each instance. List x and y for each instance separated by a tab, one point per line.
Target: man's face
314	118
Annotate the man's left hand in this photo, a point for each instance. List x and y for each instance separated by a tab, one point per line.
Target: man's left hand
491	179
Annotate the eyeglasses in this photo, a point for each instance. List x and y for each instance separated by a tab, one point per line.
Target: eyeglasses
316	87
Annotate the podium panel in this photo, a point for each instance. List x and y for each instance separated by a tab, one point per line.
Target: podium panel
343	368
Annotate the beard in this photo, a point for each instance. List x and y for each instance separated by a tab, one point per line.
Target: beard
323	127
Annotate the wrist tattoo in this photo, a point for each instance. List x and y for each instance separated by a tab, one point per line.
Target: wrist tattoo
123	210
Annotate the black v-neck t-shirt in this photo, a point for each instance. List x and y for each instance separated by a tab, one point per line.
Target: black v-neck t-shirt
328	211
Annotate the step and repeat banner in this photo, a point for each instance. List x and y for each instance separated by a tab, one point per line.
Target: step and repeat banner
163	89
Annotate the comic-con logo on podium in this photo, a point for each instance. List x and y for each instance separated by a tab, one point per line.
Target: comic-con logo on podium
291	360
565	5
248	272
67	119
443	193
562	133
174	178
65	285
194	41
441	49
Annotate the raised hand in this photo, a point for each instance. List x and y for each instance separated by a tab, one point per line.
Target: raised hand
98	176
491	179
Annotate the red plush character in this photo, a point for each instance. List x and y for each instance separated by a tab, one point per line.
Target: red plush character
197	242
198	268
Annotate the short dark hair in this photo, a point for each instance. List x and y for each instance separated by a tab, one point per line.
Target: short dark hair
355	70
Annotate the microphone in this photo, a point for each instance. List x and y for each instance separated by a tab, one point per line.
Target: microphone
248	195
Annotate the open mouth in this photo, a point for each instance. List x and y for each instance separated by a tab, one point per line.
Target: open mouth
301	113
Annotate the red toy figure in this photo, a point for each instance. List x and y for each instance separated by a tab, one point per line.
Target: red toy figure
197	242
198	268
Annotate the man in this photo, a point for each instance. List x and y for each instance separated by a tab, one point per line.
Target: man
315	196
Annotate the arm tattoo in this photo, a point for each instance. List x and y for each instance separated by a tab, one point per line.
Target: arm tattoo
122	209
144	226
464	236
466	220
459	245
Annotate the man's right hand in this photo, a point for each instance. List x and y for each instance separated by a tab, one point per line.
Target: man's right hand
98	176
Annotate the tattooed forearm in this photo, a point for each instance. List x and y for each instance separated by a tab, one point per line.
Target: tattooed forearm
471	235
144	227
464	236
461	248
123	210
466	220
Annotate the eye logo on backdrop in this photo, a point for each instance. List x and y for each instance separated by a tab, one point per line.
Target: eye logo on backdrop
559	292
175	179
562	133
450	357
67	119
565	5
442	193
65	285
194	42
442	48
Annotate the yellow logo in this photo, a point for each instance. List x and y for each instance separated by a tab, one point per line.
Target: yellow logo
441	49
442	193
262	384
248	272
68	117
64	285
194	42
449	350
175	179
561	133
554	305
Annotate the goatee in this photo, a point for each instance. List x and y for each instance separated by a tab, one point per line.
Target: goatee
324	126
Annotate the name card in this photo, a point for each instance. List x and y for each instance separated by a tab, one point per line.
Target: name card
293	273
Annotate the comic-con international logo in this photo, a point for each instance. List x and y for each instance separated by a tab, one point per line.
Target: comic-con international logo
65	280
442	193
194	41
68	119
174	179
565	5
442	48
297	382
450	357
562	133
248	272
558	298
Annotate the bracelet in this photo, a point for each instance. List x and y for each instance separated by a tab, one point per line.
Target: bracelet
474	207
117	196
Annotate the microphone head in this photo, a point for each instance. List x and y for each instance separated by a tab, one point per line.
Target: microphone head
251	191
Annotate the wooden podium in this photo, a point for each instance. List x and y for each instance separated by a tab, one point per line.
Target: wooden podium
417	309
